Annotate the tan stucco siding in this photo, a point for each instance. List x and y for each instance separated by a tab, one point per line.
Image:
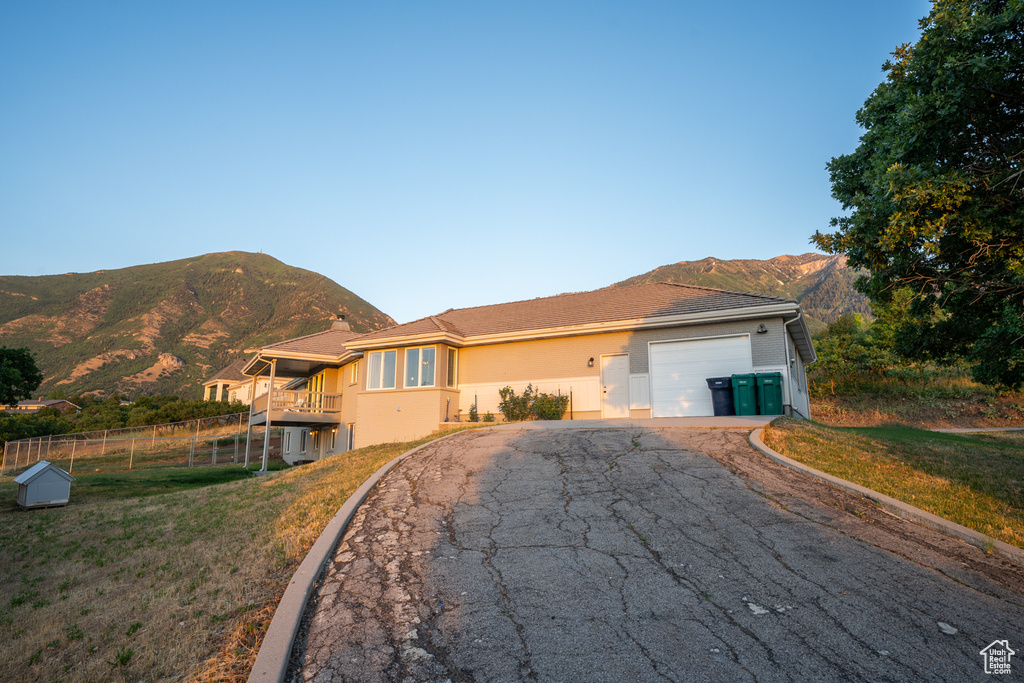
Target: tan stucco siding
386	416
349	400
545	359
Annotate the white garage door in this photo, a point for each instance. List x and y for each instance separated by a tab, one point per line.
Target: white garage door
679	372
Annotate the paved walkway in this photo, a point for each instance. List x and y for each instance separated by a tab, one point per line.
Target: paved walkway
592	554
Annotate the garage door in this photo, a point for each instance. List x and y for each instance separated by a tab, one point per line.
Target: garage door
679	371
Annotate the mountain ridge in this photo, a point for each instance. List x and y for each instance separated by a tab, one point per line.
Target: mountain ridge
165	327
822	284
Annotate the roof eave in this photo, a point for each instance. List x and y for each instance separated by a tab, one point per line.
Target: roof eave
262	359
409	340
629	324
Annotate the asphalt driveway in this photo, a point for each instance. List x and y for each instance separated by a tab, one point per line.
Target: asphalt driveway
637	555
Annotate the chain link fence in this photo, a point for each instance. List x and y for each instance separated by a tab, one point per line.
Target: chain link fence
205	441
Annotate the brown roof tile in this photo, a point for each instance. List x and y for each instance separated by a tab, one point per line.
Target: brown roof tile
328	343
600	306
232	373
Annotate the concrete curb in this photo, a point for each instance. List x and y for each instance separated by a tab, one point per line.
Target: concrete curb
896	507
272	660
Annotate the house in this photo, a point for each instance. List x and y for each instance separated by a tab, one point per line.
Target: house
34	406
231	384
632	352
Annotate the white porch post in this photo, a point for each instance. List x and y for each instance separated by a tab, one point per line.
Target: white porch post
248	431
270	405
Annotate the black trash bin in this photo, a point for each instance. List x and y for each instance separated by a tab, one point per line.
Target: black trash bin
721	395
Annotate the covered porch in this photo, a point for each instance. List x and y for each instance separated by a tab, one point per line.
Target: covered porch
294	404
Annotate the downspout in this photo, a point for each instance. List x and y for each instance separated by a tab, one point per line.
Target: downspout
799	316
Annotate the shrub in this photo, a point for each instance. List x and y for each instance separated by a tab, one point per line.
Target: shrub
531	405
474	416
488	416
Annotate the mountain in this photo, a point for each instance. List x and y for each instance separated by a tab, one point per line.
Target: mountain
164	328
822	284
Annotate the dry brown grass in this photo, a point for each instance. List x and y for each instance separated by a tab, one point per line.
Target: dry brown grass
971	479
930	412
166	587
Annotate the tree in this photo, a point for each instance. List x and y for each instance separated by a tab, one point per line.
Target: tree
935	190
19	376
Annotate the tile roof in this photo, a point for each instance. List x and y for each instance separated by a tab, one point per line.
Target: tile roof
328	343
232	373
600	306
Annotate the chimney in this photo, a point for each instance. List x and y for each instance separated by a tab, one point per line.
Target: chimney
340	324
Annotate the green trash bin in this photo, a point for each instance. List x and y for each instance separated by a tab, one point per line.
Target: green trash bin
744	394
769	393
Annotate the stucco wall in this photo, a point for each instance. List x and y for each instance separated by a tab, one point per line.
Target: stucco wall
399	415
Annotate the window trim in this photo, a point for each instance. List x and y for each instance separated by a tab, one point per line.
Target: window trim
452	371
419	368
354	376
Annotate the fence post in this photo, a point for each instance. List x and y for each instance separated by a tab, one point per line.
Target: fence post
213	458
131	456
153	442
3	467
73	444
49	440
191	451
103	450
17	456
39	451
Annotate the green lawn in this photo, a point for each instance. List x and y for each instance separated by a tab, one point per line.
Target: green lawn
976	480
164	573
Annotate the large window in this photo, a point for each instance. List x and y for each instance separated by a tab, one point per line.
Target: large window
380	370
419	367
355	373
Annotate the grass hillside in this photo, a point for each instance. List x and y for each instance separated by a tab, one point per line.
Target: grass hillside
165	327
822	284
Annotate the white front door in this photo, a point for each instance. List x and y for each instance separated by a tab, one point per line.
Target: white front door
615	386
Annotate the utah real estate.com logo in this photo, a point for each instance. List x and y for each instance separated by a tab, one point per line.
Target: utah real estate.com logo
997	657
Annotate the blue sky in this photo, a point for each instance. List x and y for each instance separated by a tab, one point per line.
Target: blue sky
429	155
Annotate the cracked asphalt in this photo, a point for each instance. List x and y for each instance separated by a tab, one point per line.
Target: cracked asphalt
642	555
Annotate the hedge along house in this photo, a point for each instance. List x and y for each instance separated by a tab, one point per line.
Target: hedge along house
632	352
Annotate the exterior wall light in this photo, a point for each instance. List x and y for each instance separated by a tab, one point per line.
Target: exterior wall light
590	363
761	329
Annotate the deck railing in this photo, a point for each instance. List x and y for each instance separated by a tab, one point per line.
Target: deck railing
299	402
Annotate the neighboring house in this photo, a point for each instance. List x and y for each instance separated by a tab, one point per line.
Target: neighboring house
230	384
37	405
632	352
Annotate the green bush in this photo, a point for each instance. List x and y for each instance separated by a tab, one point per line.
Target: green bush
532	405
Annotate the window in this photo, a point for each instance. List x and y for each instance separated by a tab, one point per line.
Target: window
355	373
334	439
288	441
419	367
302	441
380	371
453	375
